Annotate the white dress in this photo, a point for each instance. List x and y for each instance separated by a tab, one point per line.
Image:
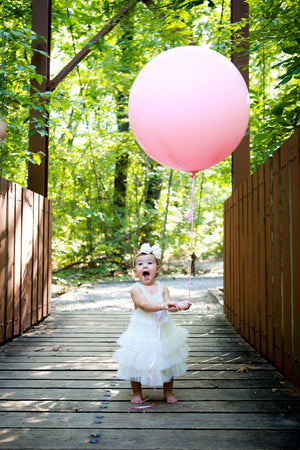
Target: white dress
153	348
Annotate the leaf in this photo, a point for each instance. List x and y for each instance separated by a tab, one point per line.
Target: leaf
37	157
243	369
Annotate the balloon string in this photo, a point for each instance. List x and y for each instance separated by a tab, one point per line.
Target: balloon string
190	218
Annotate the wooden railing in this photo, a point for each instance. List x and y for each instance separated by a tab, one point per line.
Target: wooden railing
262	259
25	259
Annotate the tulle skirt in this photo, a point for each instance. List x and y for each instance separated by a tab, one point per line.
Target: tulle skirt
152	350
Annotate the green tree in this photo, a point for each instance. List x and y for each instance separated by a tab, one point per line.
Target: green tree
107	194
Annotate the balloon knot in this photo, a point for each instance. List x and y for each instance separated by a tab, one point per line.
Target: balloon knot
188	216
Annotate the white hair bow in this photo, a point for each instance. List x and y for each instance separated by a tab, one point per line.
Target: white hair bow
155	250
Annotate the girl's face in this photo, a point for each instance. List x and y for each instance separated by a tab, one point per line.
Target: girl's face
146	268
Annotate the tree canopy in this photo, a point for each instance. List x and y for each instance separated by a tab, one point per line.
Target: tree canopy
108	196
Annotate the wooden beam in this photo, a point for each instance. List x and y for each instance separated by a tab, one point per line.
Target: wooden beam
240	58
41	24
38	142
87	48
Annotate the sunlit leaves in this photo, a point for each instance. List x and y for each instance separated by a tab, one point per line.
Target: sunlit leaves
274	75
88	110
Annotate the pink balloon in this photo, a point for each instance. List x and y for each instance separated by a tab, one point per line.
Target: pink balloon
189	108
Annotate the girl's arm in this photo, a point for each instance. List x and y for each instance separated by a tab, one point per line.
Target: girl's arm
173	306
141	302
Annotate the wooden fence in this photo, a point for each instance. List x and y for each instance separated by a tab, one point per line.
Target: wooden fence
25	259
262	259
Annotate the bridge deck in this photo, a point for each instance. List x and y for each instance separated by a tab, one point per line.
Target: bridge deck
58	391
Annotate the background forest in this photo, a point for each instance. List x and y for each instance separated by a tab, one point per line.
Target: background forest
108	196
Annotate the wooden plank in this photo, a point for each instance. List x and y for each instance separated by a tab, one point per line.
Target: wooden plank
26	260
218	342
269	262
234	318
228	260
270	375
98	335
100	395
45	260
232	262
10	260
41	258
113	328
246	260
243	244
60	351
18	260
35	257
256	265
226	256
146	439
182	383
57	358
231	259
262	298
295	260
251	334
56	365
206	319
286	263
276	220
221	406
94	347
99	327
3	216
151	420
49	263
240	259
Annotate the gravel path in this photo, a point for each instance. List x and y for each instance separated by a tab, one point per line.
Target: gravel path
206	294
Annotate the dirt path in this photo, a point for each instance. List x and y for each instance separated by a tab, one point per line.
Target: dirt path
114	296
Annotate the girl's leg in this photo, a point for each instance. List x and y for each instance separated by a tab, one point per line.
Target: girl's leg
168	394
137	392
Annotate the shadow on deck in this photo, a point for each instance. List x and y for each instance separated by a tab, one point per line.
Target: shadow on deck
58	391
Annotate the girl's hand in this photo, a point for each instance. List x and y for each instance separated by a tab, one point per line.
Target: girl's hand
184	305
172	306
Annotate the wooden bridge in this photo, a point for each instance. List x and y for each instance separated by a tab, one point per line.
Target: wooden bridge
57	379
58	391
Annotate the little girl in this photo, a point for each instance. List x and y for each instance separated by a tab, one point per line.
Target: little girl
153	349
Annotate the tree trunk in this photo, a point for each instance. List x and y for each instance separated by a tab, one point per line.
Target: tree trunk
122	161
151	200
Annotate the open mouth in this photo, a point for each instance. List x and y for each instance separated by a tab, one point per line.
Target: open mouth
146	275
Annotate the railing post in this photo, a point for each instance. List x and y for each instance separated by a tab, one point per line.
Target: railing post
38	142
241	156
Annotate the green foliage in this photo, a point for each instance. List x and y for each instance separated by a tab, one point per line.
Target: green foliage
16	100
275	60
89	133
